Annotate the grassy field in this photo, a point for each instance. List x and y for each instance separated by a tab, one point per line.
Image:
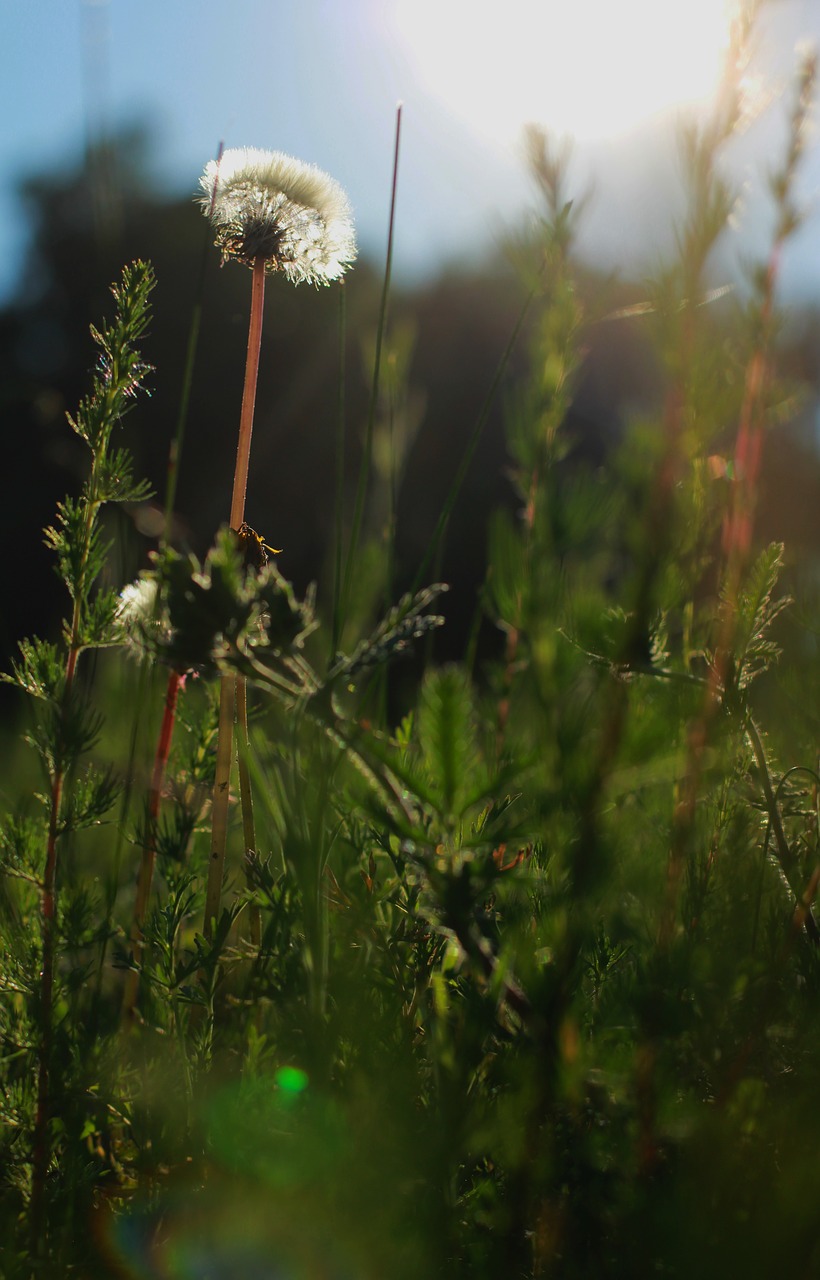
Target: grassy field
507	970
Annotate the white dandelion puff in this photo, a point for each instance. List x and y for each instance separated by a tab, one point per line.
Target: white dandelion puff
142	622
265	204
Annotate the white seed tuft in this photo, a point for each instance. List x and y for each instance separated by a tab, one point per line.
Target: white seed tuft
267	204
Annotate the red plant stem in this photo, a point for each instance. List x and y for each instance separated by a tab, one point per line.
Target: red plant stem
737	539
149	850
243	450
164	743
221	792
737	534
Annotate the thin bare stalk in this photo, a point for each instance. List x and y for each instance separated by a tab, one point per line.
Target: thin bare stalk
175	451
340	474
340	615
227	698
243	449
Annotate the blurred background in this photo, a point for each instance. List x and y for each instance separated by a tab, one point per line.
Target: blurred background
111	110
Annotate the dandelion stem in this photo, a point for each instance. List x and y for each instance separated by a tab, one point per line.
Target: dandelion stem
243	451
228	690
340	477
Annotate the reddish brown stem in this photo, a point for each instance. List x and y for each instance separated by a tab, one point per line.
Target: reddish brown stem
243	449
737	538
222	779
146	873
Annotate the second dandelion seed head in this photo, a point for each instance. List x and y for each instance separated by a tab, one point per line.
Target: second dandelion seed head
267	204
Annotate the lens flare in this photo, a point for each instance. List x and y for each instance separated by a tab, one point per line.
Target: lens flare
593	69
262	1203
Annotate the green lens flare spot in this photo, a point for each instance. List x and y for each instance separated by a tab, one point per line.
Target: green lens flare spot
291	1080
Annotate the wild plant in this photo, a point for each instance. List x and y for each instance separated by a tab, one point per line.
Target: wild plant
271	213
80	793
531	985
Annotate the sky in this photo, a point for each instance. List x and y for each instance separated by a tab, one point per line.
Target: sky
321	79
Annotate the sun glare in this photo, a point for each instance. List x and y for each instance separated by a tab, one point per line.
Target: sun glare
591	68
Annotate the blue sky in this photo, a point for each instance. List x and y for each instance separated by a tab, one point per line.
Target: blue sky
321	79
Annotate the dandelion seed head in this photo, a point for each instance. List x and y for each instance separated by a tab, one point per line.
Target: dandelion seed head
141	620
267	204
137	601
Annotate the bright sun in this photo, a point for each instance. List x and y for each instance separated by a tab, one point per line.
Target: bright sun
592	68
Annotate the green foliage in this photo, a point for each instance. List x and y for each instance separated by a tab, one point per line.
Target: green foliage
446	737
47	1038
520	981
756	612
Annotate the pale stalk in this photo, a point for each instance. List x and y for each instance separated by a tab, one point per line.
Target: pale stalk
222	779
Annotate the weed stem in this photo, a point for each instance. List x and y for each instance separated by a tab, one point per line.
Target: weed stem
228	693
